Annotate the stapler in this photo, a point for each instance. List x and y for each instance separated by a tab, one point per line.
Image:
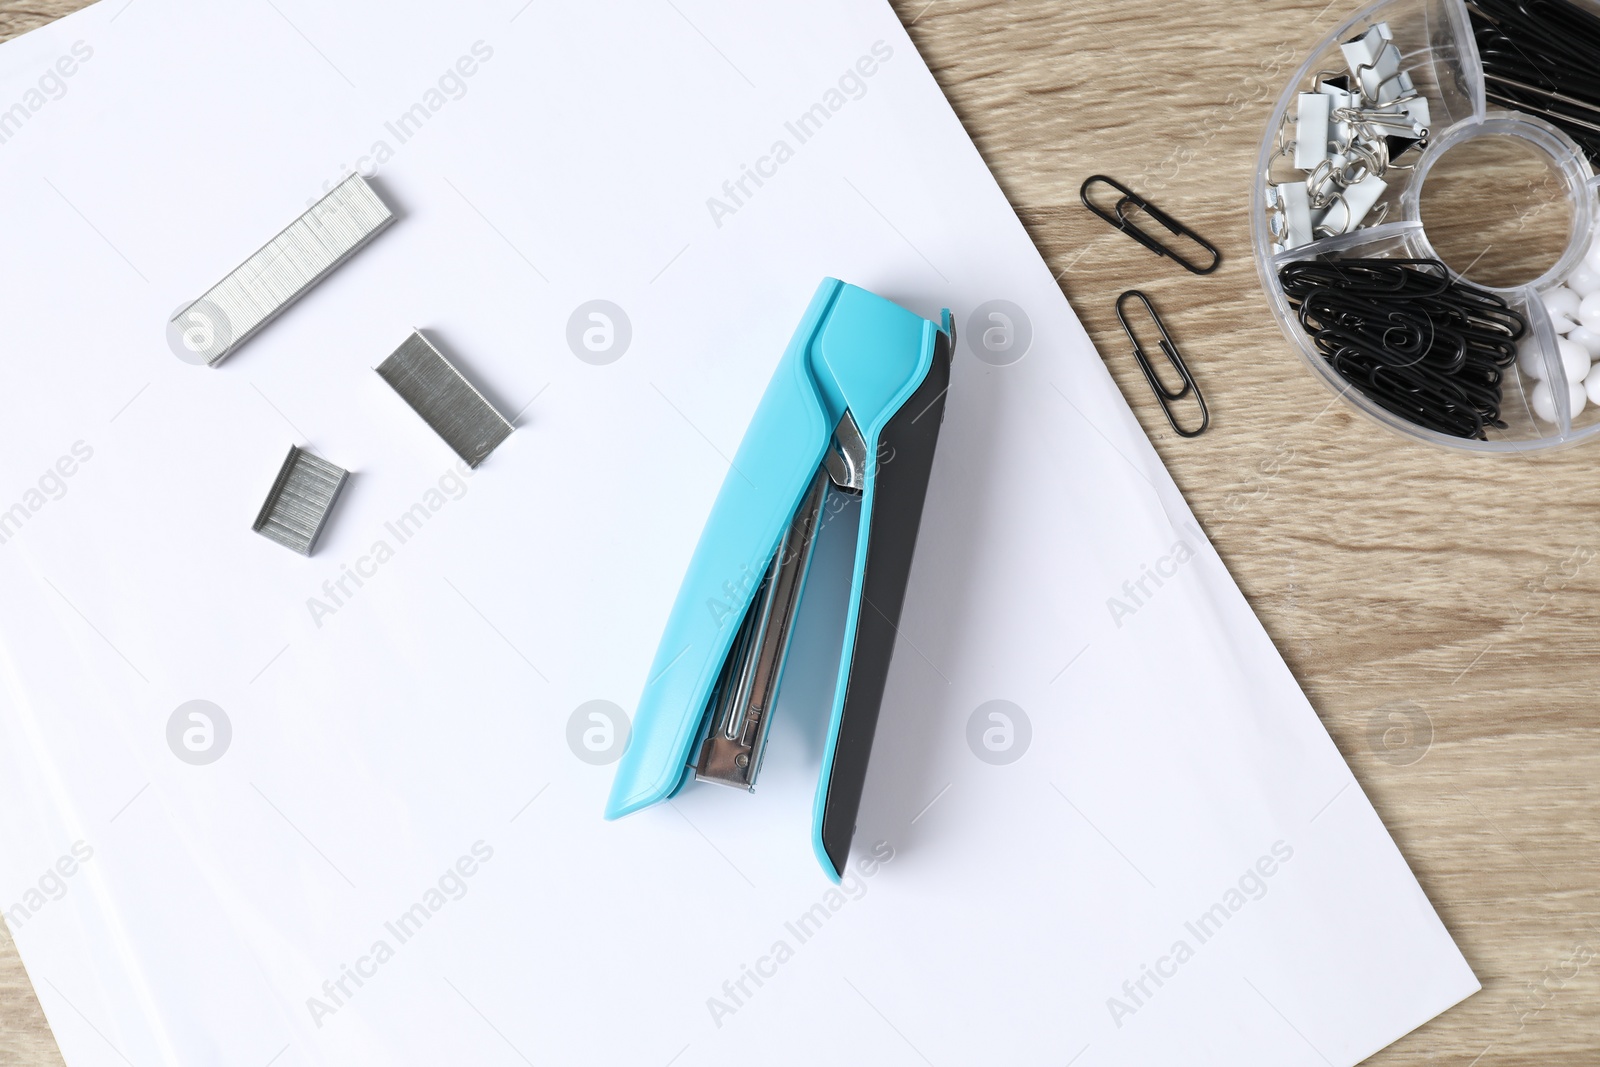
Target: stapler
854	407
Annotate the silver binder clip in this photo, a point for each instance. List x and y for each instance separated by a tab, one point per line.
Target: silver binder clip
281	272
446	401
302	495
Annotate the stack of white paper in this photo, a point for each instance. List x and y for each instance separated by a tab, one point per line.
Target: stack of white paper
378	839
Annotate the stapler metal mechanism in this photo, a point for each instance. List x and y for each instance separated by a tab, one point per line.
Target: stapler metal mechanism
854	407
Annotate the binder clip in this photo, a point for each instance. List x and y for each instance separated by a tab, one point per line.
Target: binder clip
861	378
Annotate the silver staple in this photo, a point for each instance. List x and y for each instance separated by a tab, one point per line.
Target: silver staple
447	402
283	270
302	495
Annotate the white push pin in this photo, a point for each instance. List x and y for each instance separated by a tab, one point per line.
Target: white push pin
1574	359
1589	339
1543	400
1589	311
1562	304
1530	361
1584	280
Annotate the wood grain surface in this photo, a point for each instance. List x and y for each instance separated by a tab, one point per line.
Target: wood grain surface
1440	609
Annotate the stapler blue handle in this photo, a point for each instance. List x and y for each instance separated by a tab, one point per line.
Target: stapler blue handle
854	406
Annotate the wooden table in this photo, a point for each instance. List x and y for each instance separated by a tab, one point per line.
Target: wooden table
1440	609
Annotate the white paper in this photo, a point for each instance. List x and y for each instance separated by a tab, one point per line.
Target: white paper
420	720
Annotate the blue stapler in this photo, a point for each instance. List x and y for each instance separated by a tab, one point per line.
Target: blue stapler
854	407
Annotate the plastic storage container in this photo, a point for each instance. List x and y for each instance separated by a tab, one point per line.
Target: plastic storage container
1439	63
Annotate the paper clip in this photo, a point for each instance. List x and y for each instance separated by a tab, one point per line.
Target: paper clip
1121	221
1164	396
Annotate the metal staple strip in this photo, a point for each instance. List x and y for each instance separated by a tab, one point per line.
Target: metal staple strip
447	402
301	497
284	269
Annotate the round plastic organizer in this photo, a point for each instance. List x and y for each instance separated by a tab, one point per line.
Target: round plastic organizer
1440	80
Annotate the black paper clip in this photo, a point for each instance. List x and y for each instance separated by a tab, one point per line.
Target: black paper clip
1123	222
1164	396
